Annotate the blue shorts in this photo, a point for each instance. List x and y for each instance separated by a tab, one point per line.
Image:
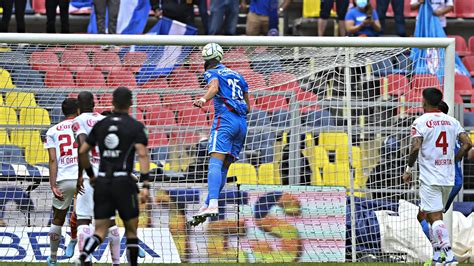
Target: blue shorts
228	134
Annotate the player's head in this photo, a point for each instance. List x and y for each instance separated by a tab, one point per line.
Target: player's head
212	54
69	107
122	99
86	101
431	98
443	107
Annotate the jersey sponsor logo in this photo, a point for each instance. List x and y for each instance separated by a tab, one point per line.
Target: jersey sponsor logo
112	141
91	122
431	123
111	153
62	127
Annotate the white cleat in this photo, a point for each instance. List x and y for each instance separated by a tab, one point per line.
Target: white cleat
208	212
451	263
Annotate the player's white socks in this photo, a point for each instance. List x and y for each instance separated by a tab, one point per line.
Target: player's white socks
213	203
114	242
441	236
83	232
435	245
54	239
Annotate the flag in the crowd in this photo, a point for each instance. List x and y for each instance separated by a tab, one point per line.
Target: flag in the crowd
161	60
80	6
431	60
132	17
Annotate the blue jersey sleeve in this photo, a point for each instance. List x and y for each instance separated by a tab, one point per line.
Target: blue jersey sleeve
209	76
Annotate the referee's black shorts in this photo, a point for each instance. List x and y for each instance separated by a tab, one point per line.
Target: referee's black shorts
116	194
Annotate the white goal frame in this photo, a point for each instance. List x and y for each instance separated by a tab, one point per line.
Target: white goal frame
389	42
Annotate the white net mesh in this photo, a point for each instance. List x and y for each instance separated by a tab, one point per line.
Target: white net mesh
320	116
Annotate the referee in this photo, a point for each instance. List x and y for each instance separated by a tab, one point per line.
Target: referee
118	136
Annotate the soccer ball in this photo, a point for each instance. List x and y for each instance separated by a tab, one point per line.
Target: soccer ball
212	51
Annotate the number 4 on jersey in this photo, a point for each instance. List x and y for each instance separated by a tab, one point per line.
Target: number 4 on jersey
441	142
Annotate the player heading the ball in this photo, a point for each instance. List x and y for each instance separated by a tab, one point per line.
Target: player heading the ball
229	91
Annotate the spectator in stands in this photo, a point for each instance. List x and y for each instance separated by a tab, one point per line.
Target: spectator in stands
440	8
341	10
224	16
362	20
180	10
202	5
101	7
398	8
20	6
51	6
260	11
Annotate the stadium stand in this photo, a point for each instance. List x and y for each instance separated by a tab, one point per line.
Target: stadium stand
158	115
75	61
117	78
133	61
245	173
44	61
90	78
20	99
59	79
394	85
106	61
461	46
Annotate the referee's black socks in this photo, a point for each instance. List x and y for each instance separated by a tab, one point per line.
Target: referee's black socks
91	244
132	251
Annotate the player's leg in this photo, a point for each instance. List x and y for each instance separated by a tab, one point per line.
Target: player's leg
129	210
114	241
85	213
424	223
60	209
92	242
73	225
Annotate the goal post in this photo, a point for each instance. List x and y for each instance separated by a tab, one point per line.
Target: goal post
318	178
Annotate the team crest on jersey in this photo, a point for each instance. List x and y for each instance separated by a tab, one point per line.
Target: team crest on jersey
75	126
91	122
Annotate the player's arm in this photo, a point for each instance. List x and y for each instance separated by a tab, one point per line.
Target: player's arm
84	161
144	161
53	173
211	92
247	101
466	145
443	11
81	139
412	156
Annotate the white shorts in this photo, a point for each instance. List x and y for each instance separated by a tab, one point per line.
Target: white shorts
85	202
433	198
68	189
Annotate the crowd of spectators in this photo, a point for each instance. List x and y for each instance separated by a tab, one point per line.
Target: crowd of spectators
354	17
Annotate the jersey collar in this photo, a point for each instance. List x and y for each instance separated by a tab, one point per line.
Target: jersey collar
433	111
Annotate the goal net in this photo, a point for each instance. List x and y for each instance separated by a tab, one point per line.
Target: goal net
319	176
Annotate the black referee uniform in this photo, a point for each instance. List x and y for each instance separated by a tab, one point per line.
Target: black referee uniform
115	189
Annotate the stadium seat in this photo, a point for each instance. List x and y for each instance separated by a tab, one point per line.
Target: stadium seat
192	117
236	60
464	9
101	109
336	175
56	115
104	99
138	115
176	102
39	6
342	156
59	79
4	138
317	157
146	100
50	100
14	61
6	80
34	116
413	96
471	44
461	46
254	80
90	78
24	138
245	173
27	78
185	137
283	81
318	119
36	154
118	78
20	99
182	80
307	96
382	68
468	62
281	119
86	48
133	61
158	115
332	140
75	61
8	116
462	85
266	175
468	119
423	81
271	103
258	118
159	83
44	61
394	85
11	154
157	138
106	61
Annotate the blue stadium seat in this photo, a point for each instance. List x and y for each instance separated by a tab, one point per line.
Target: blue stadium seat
262	142
56	115
402	64
11	154
382	68
258	118
50	100
159	154
281	119
13	61
469	119
27	78
319	118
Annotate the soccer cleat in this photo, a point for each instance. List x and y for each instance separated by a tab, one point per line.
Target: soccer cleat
51	262
197	220
452	262
208	212
70	248
437	262
141	252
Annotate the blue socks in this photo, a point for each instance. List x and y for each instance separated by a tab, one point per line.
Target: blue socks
214	179
426	228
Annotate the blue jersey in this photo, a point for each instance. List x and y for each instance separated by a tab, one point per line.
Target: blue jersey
457	166
231	91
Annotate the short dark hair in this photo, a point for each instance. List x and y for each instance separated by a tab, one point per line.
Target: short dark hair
69	106
443	107
210	63
122	98
86	101
432	96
